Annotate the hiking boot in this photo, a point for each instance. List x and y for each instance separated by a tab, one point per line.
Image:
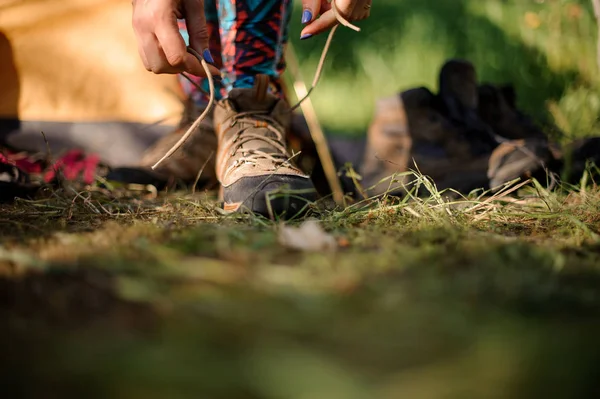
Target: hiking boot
522	159
459	102
458	90
497	108
196	155
388	148
409	133
252	164
579	156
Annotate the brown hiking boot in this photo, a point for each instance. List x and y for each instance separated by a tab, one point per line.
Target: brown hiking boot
497	108
458	89
409	133
388	148
196	153
523	159
579	156
458	101
252	162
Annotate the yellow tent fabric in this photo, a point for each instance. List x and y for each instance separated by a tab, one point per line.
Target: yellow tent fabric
77	61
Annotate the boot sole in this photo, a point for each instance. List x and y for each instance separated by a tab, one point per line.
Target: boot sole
279	196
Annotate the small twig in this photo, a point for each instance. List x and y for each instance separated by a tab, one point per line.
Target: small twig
58	175
200	172
411	211
48	150
105	210
316	131
86	201
503	193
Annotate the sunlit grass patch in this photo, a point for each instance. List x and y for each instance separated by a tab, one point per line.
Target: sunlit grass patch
547	50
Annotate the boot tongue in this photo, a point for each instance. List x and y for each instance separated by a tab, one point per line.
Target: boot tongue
255	99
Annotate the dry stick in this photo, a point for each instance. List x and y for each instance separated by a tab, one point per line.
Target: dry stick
50	162
315	128
48	151
596	4
308	110
502	193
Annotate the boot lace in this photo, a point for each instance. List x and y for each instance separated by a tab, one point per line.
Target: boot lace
256	116
252	156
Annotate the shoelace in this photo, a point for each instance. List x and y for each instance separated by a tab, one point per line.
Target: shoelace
211	83
278	158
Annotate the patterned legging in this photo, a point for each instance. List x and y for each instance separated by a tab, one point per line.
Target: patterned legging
250	37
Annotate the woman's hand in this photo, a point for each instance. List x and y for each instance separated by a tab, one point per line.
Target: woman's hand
352	10
160	44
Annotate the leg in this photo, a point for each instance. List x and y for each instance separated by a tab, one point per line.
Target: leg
198	152
212	22
254	34
253	166
253	37
250	122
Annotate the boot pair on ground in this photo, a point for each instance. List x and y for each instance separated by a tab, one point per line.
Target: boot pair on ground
468	136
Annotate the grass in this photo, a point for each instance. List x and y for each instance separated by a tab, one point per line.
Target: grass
546	49
124	293
117	294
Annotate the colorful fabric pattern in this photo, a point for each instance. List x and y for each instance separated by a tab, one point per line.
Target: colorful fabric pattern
250	37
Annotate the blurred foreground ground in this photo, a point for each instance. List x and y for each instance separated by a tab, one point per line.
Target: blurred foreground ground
125	295
107	297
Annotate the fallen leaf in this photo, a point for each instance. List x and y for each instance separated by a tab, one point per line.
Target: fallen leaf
309	237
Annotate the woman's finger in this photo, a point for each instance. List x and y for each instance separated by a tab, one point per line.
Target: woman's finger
310	10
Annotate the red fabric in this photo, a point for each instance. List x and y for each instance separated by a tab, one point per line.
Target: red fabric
5	160
72	164
26	163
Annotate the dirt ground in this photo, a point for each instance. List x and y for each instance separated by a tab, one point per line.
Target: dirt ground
109	294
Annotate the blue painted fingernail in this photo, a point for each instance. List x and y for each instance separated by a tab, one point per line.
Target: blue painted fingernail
207	56
307	36
306	16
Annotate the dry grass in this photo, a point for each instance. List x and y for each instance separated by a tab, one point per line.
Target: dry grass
164	296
